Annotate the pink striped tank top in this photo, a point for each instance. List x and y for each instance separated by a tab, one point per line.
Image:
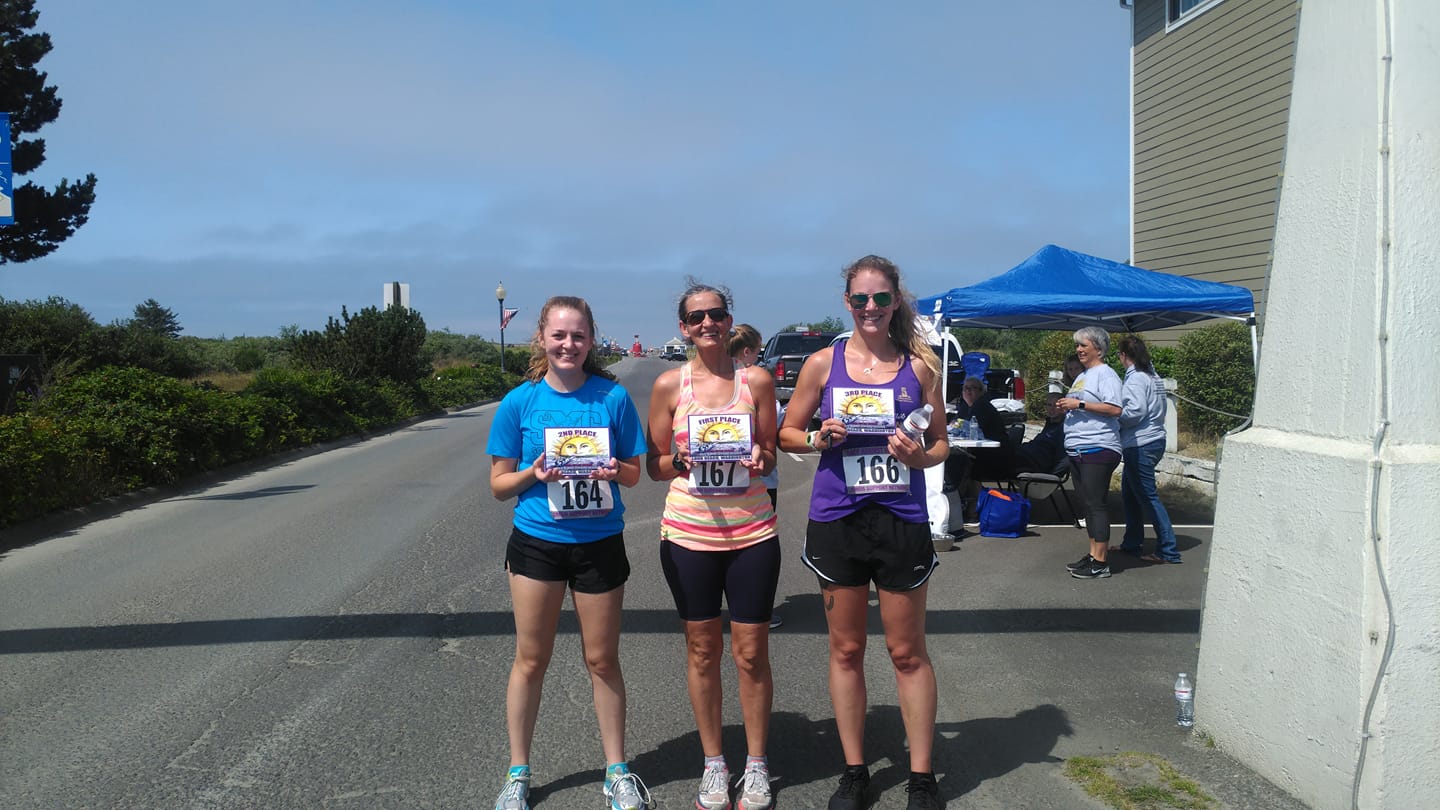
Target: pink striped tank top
714	522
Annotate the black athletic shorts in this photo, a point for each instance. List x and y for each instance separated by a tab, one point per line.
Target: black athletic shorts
598	567
746	578
871	545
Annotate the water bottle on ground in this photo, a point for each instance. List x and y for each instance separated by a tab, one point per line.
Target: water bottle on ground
916	423
1184	701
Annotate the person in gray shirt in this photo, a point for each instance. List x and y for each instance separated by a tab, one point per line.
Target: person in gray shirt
1142	440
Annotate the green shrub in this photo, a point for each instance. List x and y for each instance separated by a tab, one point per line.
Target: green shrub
324	403
1047	354
464	385
371	344
1214	367
45	466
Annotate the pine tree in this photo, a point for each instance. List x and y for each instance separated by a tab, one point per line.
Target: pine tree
43	219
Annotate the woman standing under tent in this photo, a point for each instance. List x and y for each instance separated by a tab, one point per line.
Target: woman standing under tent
1142	441
1092	441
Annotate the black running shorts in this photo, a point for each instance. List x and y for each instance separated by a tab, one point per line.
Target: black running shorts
598	567
871	545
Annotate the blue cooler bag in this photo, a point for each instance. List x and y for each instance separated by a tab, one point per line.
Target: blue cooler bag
1003	514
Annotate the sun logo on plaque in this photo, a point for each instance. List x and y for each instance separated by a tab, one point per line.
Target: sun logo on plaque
863	405
577	446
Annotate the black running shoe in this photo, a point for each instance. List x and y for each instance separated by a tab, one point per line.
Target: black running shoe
924	793
1096	570
1083	562
850	795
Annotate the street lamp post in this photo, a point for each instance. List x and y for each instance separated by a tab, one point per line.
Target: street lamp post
500	296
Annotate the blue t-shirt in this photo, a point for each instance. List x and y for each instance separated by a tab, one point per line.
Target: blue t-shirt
518	432
1088	430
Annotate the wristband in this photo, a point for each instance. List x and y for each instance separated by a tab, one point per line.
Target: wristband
810	439
1082	404
680	466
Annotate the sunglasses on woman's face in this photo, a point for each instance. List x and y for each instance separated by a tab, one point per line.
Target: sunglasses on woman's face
697	317
882	299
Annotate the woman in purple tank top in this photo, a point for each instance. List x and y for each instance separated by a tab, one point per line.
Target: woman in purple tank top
868	518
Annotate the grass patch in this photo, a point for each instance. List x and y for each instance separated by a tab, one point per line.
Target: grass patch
1196	445
1134	781
232	381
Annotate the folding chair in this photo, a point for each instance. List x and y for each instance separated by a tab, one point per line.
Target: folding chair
1055	479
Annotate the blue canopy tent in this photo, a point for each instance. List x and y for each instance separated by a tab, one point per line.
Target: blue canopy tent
1062	289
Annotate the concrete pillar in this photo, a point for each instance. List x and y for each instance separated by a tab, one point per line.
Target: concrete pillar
1172	415
1311	671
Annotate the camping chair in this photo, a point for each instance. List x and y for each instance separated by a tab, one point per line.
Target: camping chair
1055	480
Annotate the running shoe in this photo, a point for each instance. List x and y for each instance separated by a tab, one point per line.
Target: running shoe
850	794
1083	562
776	621
754	788
625	791
924	793
515	794
714	793
1095	570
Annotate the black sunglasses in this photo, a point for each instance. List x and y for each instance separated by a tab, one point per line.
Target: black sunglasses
882	299
697	317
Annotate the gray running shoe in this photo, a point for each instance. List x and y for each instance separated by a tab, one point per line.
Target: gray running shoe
754	789
515	794
627	792
714	791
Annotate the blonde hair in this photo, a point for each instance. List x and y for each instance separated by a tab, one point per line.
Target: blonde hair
744	336
539	363
902	321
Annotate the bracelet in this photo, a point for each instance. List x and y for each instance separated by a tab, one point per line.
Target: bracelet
810	439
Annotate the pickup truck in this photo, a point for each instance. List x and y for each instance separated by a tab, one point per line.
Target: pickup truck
785	352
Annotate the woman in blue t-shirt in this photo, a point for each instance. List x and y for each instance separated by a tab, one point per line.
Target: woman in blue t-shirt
562	444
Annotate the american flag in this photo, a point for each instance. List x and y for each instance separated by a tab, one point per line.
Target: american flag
508	314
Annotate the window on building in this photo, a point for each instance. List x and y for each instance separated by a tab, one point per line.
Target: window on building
1177	11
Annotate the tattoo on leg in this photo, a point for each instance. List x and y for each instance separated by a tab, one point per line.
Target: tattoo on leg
829	602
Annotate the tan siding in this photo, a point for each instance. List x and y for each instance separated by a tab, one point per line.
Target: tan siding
1210	104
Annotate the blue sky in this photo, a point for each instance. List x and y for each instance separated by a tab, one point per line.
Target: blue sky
263	163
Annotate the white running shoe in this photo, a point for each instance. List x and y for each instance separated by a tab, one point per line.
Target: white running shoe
516	793
714	789
754	788
627	792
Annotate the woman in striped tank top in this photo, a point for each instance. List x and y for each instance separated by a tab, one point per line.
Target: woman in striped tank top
712	436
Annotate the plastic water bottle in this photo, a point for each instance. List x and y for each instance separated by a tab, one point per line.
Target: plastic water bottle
972	429
916	423
1184	701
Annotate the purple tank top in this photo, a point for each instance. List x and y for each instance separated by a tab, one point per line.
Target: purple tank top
829	499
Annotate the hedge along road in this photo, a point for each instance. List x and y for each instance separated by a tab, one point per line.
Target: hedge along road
335	631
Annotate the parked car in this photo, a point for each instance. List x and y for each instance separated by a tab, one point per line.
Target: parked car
673	352
785	352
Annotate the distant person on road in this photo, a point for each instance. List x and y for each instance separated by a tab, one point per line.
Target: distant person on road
745	343
1142	442
568	532
869	522
718	535
1092	441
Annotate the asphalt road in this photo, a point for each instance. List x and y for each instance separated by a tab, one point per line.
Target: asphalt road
334	631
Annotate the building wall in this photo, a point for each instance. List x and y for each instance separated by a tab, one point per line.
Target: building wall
1320	631
1211	98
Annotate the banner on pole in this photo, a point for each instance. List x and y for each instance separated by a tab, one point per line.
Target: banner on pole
7	193
509	313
